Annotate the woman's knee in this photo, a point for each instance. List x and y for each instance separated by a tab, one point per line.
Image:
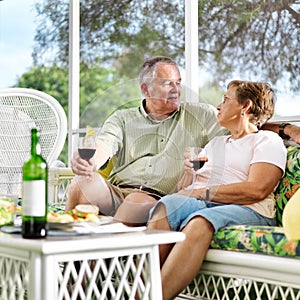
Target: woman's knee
199	226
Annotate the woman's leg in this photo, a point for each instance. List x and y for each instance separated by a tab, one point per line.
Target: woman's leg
185	259
181	262
159	221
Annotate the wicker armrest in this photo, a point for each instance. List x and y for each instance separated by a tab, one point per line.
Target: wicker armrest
59	181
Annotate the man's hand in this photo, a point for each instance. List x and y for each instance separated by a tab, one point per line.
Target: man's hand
294	132
81	166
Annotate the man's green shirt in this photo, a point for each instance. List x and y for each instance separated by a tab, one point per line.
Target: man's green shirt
150	153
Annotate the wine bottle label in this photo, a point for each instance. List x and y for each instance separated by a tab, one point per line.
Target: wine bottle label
33	202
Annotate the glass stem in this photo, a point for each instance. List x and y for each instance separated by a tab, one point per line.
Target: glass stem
194	177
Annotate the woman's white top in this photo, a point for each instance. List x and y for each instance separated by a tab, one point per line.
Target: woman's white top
229	161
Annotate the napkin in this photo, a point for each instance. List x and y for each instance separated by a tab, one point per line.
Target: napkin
85	227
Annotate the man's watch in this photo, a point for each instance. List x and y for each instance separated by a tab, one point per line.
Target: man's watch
281	131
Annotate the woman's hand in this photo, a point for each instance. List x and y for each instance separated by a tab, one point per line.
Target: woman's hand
187	164
188	175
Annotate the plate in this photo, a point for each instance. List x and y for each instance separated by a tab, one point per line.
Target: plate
68	226
60	226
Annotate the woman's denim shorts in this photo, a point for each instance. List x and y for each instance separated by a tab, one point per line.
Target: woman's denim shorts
181	209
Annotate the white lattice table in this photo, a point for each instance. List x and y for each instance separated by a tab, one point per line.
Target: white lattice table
104	266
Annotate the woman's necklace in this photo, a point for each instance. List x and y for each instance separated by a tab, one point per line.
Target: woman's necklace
229	140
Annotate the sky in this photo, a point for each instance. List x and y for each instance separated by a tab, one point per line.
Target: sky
17	30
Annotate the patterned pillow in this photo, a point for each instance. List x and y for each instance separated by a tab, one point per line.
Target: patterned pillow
288	184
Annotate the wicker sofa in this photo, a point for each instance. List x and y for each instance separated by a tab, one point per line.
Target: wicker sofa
244	262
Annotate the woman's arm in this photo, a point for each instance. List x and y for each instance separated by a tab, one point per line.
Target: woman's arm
263	178
185	180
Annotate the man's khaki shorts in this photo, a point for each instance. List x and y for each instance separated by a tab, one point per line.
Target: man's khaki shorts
119	193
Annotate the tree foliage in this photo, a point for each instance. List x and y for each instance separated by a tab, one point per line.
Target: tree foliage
254	38
95	82
246	38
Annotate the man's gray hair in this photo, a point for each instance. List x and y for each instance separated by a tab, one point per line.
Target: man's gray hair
149	67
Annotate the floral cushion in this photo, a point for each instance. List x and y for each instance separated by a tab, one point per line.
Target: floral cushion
266	239
290	183
256	239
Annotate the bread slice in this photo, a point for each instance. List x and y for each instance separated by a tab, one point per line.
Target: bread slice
83	210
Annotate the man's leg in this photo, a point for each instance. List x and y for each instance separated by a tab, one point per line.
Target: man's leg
92	190
134	211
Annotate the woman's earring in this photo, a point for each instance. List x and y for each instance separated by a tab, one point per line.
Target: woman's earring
243	113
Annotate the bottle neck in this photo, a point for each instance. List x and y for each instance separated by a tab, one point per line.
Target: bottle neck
35	145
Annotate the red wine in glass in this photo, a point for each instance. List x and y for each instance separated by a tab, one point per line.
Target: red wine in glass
197	164
86	153
197	157
86	147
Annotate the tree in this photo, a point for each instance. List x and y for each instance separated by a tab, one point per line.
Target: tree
255	39
95	81
52	80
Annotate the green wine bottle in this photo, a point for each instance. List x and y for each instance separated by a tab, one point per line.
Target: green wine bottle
34	199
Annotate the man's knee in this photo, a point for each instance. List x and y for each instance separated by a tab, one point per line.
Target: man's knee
139	198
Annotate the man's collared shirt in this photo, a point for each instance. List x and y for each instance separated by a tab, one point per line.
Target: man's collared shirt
149	152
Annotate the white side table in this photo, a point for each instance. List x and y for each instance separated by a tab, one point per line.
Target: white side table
102	266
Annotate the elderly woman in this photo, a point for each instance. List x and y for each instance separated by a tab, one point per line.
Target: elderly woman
238	179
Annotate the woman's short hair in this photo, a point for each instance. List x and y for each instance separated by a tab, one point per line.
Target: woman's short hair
261	95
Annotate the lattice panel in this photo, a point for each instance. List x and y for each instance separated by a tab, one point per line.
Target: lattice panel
61	185
14	279
102	279
63	189
212	287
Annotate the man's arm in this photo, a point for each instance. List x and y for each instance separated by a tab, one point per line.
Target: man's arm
289	130
100	157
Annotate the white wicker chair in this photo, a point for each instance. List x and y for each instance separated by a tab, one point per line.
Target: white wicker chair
20	110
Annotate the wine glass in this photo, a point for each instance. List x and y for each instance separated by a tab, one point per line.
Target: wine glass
86	147
198	158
